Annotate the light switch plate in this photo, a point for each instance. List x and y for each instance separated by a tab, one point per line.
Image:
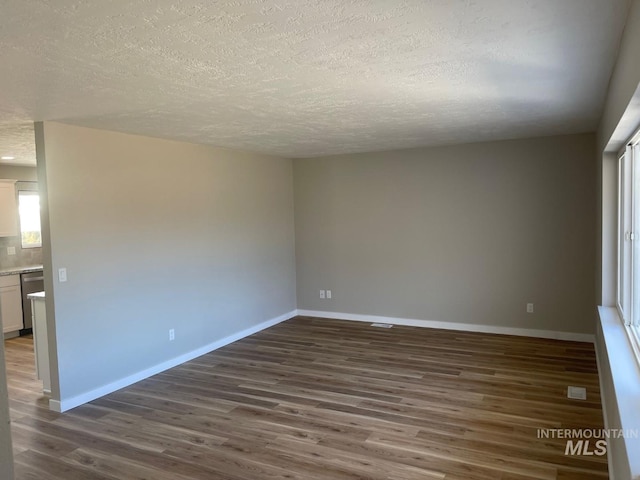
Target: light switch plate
62	274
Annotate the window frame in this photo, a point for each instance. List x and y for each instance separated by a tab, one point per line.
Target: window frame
621	232
26	186
628	197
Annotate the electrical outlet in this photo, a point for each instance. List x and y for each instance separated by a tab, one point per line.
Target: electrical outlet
11	250
172	335
328	293
322	294
529	307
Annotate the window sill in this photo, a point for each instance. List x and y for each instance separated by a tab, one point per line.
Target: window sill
626	383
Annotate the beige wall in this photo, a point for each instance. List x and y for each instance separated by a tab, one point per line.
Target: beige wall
27	174
157	235
468	233
613	128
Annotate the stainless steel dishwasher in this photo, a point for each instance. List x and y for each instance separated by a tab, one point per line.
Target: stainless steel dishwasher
31	282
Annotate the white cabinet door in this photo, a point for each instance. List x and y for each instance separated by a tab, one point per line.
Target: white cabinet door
11	303
8	209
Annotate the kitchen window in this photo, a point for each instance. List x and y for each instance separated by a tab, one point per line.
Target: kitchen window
29	212
628	288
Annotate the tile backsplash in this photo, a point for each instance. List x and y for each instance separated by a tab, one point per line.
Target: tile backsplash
23	256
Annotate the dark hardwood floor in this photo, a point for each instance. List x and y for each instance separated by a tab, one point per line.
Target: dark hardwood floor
324	399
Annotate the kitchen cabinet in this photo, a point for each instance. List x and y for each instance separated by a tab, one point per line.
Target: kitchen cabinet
8	209
11	303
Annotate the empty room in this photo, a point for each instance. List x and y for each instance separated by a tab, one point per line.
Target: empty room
269	239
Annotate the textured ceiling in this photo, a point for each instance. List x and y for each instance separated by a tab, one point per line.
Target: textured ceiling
306	78
17	141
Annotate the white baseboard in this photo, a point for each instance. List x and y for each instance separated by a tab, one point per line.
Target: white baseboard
68	403
466	327
55	405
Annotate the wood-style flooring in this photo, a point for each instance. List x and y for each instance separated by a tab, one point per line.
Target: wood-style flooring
324	399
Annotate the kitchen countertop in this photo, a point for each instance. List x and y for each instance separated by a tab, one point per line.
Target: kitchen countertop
19	270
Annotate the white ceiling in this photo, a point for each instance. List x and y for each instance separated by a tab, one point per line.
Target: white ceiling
303	78
17	143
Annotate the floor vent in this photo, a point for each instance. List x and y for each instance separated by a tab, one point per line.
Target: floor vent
577	393
382	325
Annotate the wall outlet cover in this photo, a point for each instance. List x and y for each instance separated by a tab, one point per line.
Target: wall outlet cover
577	393
11	250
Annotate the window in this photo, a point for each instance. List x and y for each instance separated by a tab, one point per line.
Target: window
29	210
628	291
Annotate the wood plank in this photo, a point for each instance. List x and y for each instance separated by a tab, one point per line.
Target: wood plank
318	399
